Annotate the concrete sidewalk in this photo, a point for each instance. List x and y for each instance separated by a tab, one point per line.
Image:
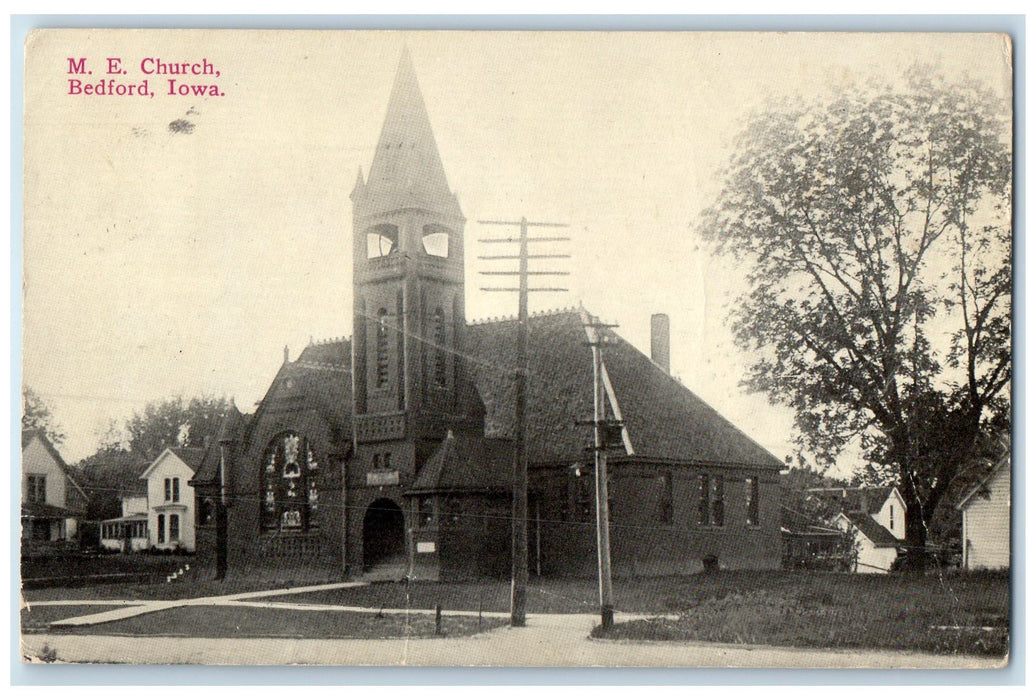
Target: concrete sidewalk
546	641
137	607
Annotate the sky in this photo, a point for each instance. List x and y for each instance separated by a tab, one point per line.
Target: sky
162	262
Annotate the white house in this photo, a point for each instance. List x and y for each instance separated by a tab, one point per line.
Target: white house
52	502
878	535
170	498
986	515
127	533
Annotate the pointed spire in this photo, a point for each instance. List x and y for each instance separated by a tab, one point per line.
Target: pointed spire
359	189
407	170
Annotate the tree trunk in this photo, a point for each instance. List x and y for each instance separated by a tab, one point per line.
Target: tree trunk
916	530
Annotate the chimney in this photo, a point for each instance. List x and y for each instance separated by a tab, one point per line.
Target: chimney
660	340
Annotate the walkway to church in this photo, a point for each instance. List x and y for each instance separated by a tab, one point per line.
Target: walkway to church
548	640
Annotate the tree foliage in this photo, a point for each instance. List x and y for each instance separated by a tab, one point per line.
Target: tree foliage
876	231
174	423
115	469
36	416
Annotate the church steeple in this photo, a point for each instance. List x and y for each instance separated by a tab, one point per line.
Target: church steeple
408	281
407	171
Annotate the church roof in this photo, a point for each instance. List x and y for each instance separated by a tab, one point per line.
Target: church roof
664	419
465	461
407	171
324	373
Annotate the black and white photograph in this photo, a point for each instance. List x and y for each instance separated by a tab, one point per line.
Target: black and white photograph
523	349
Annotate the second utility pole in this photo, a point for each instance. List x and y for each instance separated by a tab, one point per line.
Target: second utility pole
520	498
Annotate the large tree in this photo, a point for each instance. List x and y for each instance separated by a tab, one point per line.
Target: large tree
36	415
174	423
875	231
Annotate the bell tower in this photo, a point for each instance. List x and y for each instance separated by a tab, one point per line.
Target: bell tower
408	290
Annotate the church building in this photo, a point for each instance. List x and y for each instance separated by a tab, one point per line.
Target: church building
390	453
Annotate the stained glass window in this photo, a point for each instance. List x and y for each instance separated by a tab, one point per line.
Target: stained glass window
290	491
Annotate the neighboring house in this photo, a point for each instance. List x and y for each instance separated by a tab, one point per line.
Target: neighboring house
170	498
986	520
128	533
807	543
52	502
878	531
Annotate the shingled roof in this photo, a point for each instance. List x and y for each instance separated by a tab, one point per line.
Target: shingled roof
464	462
324	373
868	499
665	420
872	530
230	429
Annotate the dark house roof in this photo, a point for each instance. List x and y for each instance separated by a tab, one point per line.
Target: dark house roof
845	500
191	456
872	530
665	420
792	521
46	510
466	462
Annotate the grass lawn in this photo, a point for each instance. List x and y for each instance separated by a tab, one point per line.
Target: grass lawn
174	590
244	623
950	613
953	614
38	618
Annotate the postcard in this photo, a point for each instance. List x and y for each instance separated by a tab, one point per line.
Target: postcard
517	349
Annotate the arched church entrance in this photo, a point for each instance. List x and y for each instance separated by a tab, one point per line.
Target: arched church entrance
384	536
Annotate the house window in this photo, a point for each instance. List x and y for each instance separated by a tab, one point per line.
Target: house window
710	500
892	517
161	528
665	501
168	490
290	493
425	511
381	349
387	461
174	527
703	499
752	500
176	489
440	347
717	500
37	488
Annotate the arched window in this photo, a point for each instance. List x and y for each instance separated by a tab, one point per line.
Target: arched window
436	240
289	471
440	347
381	349
382	240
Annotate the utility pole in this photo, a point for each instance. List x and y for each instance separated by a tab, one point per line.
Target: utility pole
601	444
221	517
520	497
